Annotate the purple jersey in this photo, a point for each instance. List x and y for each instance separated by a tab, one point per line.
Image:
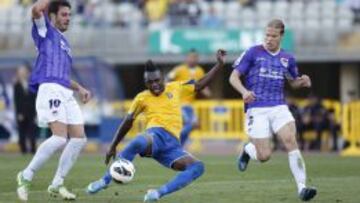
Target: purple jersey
53	62
265	74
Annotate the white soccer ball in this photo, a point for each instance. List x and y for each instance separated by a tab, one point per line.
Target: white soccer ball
122	171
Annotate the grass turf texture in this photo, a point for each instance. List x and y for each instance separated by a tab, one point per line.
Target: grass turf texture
337	180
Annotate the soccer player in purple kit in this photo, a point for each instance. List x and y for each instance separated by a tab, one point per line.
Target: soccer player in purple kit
56	106
264	69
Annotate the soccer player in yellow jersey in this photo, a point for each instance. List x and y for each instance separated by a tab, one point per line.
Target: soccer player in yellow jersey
190	70
160	105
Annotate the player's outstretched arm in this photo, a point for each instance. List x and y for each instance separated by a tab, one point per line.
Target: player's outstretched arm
303	81
203	82
123	129
38	8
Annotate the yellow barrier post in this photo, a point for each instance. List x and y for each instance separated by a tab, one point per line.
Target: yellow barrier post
351	128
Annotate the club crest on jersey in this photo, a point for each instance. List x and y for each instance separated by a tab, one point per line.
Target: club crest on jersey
169	95
284	62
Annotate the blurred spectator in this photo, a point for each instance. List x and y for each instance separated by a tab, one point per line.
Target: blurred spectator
155	11
6	3
184	13
80	6
177	12
297	114
248	3
89	12
25	2
25	111
211	19
4	102
354	5
314	118
6	114
193	12
334	128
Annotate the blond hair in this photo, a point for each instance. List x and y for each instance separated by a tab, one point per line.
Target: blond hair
277	24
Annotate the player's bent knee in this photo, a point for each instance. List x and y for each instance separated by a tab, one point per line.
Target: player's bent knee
263	157
139	142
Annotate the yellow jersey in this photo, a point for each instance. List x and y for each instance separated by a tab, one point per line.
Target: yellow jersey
163	110
156	9
184	73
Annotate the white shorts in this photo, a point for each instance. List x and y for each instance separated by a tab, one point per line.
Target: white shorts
262	122
57	103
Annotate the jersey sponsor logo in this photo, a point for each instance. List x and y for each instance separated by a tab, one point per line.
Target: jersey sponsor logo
284	62
65	47
273	74
260	59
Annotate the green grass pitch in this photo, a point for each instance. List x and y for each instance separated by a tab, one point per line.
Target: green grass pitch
337	180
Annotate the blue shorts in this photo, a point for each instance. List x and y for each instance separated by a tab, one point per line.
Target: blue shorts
166	148
188	115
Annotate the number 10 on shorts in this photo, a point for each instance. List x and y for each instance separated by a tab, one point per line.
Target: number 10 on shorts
54	103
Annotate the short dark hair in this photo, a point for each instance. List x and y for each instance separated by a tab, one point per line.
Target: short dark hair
55	6
150	66
277	24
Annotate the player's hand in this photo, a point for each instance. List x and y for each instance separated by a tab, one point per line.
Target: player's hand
85	95
220	56
248	97
110	155
305	81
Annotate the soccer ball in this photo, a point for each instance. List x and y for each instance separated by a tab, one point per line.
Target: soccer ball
122	171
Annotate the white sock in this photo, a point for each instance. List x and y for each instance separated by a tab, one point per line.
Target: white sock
298	169
67	159
44	152
251	150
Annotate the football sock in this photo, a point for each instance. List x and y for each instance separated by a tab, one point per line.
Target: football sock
44	152
67	159
191	173
251	150
298	169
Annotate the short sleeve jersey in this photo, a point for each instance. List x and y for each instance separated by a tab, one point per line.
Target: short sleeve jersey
53	62
265	73
163	110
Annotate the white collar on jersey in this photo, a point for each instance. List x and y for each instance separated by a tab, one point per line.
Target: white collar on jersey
272	53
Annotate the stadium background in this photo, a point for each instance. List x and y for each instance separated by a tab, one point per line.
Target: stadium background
112	39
